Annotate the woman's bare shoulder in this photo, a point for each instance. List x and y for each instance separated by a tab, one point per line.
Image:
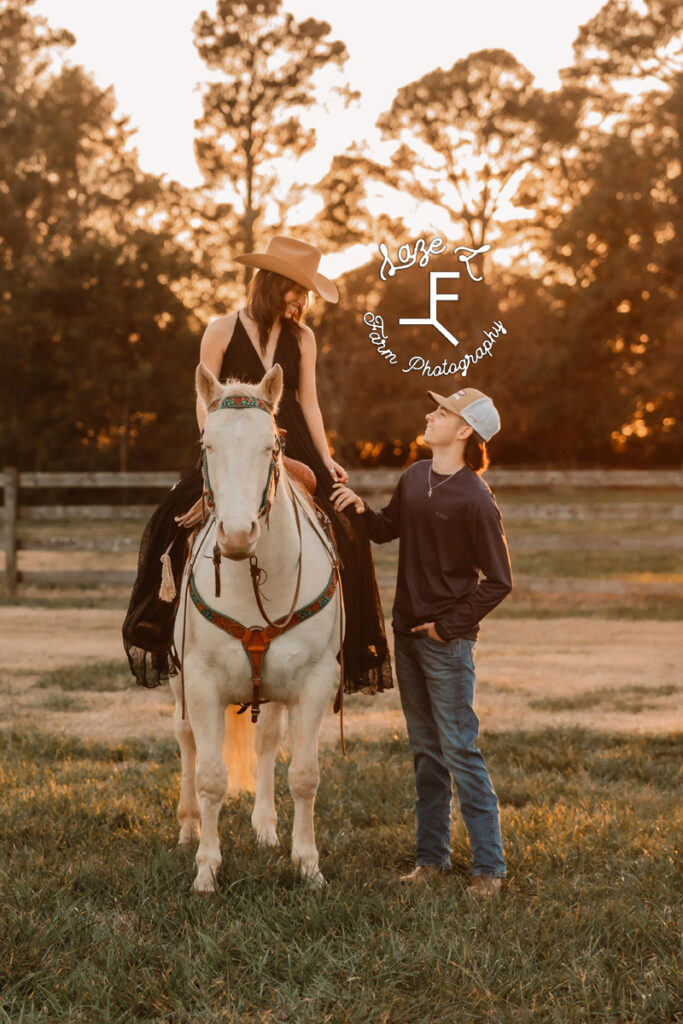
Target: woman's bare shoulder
222	324
219	332
307	336
215	341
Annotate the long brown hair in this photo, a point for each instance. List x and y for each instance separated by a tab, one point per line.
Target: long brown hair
266	302
475	454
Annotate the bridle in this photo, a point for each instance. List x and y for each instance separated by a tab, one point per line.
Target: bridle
270	490
255	639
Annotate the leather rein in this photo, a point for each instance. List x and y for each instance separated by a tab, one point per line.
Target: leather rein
256	640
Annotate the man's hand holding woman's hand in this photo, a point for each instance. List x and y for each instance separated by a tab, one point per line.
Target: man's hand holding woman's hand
343	496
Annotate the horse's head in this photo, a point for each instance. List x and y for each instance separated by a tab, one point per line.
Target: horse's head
241	455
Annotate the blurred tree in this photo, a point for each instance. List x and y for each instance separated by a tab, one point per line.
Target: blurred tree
464	138
97	342
629	40
266	64
351	184
100	362
615	254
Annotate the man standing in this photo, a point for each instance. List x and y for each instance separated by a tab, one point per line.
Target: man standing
449	527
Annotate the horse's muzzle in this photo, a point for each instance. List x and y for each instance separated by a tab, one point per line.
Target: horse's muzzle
237	544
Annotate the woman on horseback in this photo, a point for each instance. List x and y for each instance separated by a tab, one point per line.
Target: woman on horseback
243	346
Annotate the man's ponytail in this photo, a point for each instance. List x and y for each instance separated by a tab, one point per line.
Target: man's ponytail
475	453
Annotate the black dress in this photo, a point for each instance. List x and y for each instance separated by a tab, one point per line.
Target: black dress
148	627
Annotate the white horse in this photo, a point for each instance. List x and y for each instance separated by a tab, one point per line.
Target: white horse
299	669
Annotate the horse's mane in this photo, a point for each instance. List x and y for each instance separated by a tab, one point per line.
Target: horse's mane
234	386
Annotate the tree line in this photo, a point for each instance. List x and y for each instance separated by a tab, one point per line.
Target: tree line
109	274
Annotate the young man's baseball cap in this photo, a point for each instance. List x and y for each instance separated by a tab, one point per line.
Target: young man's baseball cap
475	407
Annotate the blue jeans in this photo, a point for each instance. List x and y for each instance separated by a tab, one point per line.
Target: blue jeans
436	682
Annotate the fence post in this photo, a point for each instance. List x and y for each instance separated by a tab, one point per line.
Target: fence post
11	508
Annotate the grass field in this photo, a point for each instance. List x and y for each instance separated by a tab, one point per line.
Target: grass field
97	920
99	924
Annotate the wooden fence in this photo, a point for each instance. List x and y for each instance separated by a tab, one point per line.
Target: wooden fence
366	482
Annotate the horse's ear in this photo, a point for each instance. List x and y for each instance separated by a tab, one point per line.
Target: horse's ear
208	388
271	386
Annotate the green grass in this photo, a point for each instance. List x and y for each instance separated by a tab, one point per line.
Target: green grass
98	923
661	496
594	564
94	529
537	606
597	564
100	676
627	698
643	608
613	527
61	702
589	564
51	596
615	496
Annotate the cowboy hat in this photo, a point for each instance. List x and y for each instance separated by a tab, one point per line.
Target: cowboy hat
296	260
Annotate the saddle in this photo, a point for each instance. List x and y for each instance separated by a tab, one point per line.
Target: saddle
301	472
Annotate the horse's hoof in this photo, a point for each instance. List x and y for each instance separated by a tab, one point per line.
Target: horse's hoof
204	885
189	836
187	842
267	836
314	879
317	882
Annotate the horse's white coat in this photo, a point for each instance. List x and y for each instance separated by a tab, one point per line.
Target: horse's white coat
300	668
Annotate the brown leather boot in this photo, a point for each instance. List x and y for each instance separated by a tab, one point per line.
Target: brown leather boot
485	885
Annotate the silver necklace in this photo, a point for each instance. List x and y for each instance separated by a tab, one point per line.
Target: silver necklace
429	492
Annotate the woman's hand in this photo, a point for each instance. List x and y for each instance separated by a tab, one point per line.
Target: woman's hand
343	496
337	472
194	515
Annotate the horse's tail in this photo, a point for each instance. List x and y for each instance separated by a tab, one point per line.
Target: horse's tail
239	753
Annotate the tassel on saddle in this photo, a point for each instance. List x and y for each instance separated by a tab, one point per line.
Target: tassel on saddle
167	590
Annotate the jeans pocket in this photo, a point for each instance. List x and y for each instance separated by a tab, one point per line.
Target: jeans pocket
441	644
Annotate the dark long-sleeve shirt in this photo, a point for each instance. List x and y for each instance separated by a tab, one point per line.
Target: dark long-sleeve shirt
444	541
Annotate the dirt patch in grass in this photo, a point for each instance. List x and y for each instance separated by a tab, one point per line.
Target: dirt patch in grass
595	673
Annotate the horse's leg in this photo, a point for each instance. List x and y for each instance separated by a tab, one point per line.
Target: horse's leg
188	804
208	724
304	724
267	740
